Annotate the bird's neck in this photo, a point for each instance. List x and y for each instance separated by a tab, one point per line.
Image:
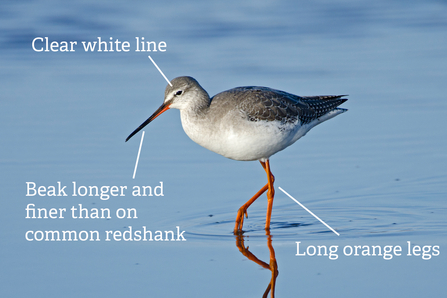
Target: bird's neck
200	105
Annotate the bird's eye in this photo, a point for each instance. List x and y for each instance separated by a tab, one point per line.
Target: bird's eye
179	92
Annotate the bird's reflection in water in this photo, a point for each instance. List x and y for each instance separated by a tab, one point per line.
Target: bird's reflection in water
272	265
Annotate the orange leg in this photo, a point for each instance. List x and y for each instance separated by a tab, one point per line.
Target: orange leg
270	194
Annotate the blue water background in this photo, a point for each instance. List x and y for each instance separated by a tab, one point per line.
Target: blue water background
377	174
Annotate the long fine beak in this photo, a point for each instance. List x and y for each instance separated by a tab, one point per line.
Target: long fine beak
163	108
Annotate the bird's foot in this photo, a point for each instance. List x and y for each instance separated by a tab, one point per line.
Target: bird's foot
240	220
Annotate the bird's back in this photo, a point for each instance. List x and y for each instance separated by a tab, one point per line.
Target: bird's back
266	104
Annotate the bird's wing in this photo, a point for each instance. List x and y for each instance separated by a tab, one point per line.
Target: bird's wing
321	105
262	103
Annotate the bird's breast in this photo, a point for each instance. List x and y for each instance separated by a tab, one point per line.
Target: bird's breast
235	137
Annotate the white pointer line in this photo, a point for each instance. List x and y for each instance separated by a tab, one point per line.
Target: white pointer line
138	156
142	136
309	211
160	71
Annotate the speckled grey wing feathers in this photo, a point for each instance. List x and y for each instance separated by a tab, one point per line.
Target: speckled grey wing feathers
281	106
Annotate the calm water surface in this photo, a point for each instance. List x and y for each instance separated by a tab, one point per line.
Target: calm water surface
376	174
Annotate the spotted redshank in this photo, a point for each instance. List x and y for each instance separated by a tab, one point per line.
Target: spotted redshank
246	123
